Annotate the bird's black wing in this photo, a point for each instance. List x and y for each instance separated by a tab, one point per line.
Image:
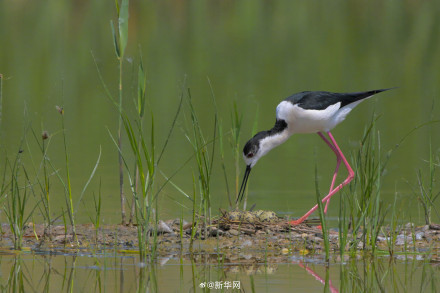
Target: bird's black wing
319	100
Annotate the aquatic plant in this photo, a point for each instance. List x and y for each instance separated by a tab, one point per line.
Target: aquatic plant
17	192
140	107
43	141
366	210
393	229
222	158
146	169
96	219
204	160
343	224
426	194
194	224
120	42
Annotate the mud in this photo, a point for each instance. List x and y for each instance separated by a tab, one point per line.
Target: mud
229	238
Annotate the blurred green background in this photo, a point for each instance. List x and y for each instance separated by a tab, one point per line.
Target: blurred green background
255	53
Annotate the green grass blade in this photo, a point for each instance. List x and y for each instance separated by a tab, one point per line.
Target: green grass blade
130	178
141	89
117	6
104	85
123	26
322	218
115	40
90	179
172	128
175	186
1	103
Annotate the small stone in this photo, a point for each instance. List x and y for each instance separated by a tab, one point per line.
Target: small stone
163	228
428	237
177	222
294	235
317	240
213	232
333	236
409	225
420	235
402	240
382	239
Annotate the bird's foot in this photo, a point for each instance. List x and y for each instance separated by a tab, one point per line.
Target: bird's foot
295	222
319	227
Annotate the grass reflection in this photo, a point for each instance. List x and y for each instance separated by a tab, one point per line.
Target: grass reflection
119	273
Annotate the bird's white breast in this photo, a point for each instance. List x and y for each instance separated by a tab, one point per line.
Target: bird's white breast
301	120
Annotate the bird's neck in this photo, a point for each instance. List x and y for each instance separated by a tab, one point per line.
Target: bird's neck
275	136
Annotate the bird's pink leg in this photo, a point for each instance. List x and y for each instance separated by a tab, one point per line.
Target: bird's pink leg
339	187
318	278
338	163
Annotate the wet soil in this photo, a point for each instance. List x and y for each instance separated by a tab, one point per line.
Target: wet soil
256	239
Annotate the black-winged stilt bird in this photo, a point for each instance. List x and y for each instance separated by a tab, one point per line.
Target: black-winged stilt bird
306	112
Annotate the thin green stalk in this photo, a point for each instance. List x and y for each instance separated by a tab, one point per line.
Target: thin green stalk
1	99
121	170
251	280
120	45
194	224
222	155
68	187
89	179
366	207
97	219
237	120
426	194
204	162
342	225
181	231
65	225
140	110
322	219
46	186
17	200
391	239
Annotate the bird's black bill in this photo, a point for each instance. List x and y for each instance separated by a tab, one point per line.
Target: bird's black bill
243	184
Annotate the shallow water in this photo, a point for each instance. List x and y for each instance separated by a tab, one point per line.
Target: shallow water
115	272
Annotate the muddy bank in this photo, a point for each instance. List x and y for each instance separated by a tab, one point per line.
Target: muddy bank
257	239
